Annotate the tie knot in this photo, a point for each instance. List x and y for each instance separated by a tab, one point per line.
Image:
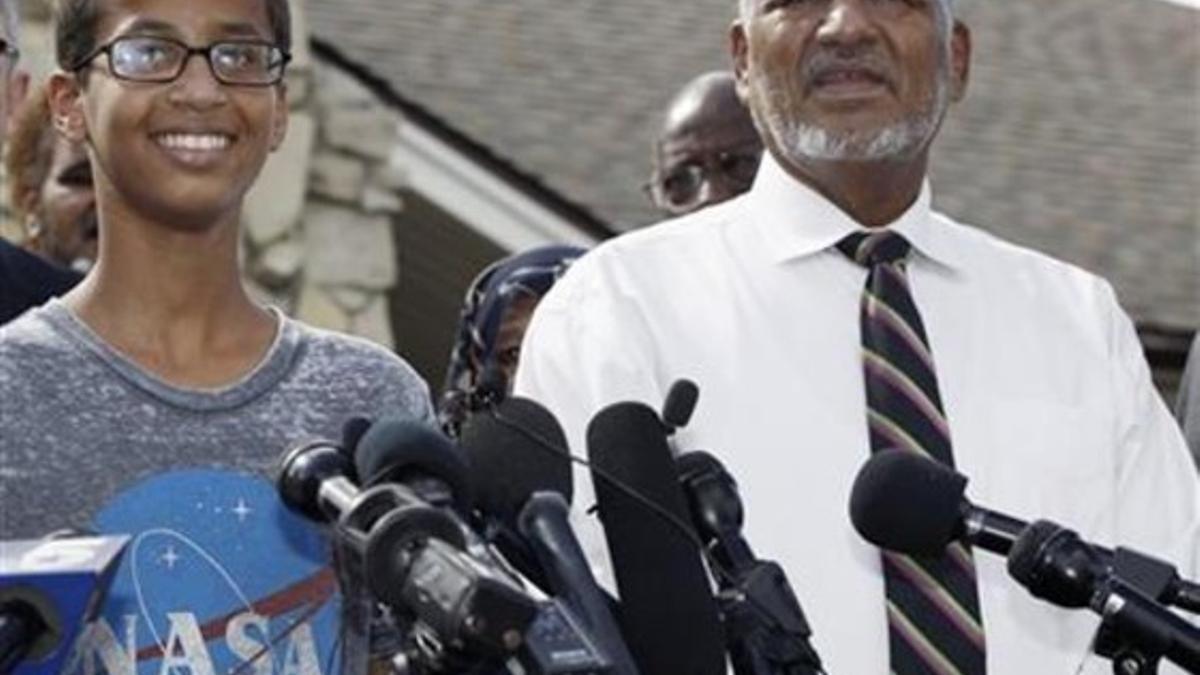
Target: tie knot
872	248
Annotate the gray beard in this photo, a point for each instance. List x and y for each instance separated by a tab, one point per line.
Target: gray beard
799	141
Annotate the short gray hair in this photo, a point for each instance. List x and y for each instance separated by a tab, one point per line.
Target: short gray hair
12	19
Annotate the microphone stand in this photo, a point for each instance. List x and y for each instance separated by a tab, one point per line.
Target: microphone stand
1136	632
1137	628
766	631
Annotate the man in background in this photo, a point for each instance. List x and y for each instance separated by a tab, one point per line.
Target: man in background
50	188
25	279
707	149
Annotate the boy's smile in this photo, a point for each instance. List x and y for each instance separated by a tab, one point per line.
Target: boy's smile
195	149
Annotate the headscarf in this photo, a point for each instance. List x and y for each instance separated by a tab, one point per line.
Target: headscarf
530	273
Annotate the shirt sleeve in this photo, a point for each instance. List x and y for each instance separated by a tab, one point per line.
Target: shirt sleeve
403	391
1187	405
587	346
1158	491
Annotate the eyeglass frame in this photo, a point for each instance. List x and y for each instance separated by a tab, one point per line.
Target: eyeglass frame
206	51
655	190
10	51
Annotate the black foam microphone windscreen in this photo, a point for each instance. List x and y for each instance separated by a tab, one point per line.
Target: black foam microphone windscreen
680	403
908	503
509	457
1028	564
668	611
353	430
401	450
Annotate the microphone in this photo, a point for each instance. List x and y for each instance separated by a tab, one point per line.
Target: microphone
412	554
1059	567
353	430
507	465
528	488
49	591
716	509
907	503
396	450
668	610
903	502
314	480
416	557
679	405
768	632
491	441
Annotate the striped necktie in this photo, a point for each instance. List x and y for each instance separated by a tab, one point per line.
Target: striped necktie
934	624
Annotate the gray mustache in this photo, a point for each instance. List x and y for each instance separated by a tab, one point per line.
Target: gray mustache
827	61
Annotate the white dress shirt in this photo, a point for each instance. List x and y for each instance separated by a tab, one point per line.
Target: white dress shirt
1049	398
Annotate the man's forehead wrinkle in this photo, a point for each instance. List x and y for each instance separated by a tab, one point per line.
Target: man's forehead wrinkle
144	24
148	25
239	28
706	136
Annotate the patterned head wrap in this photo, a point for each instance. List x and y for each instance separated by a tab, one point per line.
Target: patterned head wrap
531	274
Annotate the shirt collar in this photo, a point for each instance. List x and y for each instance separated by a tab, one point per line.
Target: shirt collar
794	220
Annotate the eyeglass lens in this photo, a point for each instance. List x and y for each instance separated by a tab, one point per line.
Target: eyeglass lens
152	59
682	186
8	52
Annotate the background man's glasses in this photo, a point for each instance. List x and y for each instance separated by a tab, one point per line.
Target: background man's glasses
682	186
8	54
158	59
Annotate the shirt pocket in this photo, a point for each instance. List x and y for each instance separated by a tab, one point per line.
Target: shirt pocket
1045	459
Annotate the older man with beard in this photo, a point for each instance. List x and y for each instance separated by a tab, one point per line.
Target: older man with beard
829	313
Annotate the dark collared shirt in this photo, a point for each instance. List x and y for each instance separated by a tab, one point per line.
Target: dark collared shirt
28	281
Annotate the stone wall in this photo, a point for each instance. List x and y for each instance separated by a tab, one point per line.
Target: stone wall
318	225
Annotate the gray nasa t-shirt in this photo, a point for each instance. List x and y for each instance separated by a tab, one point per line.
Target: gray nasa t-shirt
79	422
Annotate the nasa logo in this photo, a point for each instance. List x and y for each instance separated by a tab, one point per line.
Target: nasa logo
218	577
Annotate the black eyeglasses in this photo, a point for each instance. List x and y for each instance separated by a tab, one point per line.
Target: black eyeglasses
680	187
250	63
9	51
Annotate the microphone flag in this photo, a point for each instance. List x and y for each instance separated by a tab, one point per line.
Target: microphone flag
62	582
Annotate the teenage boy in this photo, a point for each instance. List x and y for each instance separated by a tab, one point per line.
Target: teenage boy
159	359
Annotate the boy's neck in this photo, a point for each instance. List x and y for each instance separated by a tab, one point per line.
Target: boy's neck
173	301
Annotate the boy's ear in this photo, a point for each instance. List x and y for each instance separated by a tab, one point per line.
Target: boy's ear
280	121
66	106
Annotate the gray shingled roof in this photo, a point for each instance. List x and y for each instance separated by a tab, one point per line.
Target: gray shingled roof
1080	135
